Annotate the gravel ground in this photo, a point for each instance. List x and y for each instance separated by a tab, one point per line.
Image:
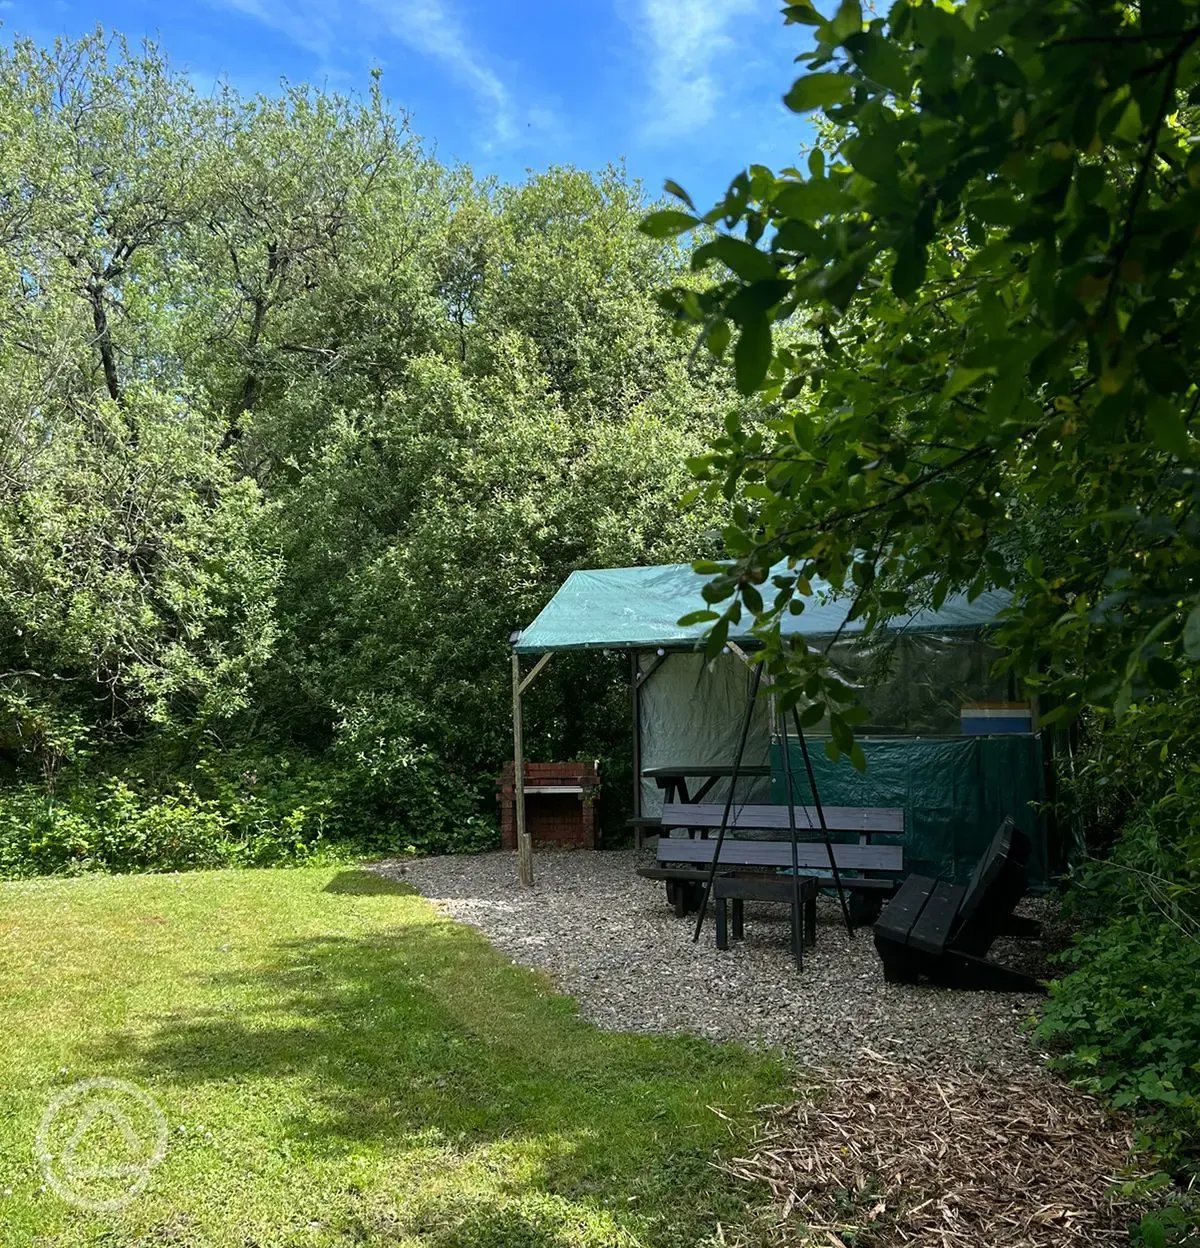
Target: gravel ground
607	936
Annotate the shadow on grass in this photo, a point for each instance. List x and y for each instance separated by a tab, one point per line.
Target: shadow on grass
423	1040
359	883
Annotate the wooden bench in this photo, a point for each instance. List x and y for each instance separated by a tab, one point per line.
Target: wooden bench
643	826
684	863
861	821
943	931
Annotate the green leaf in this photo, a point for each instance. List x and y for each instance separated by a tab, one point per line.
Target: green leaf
714	643
673	188
1153	1233
1053	716
1129	125
717	338
1165	675
1167	429
752	355
746	261
847	21
909	270
1191	634
697	617
818	91
883	62
873	154
802	12
816	163
806	201
1000	209
667	223
960	378
841	732
1163	371
753	300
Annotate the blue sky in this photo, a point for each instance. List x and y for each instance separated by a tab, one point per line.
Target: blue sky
687	89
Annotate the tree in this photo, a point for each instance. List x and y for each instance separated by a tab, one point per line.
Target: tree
135	586
547	430
973	320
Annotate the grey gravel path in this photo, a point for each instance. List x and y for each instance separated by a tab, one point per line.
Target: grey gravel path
607	937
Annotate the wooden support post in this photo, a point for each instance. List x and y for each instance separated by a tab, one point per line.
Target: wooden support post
524	842
536	669
635	685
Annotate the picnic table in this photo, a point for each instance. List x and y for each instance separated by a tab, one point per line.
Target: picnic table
684	863
673	780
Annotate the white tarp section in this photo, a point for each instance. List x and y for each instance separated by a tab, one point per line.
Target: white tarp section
690	714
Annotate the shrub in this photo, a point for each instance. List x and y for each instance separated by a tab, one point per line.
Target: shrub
241	808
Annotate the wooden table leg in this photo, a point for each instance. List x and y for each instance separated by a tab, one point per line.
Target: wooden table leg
722	924
677	894
738	919
810	920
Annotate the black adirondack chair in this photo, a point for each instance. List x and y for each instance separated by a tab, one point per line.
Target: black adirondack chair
942	931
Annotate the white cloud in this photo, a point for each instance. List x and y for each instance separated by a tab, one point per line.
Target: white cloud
305	24
687	40
336	29
432	28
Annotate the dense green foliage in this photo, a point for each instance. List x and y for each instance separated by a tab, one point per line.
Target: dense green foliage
1125	1017
296	425
341	1065
975	320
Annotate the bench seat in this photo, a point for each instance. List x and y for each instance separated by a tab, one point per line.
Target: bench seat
685	863
942	931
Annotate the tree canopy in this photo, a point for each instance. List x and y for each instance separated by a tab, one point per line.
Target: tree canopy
973	318
298	424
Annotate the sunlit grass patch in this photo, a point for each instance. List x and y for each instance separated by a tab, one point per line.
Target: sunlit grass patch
339	1064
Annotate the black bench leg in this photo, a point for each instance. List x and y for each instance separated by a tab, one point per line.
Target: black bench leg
810	922
722	927
797	941
864	908
897	973
739	919
965	971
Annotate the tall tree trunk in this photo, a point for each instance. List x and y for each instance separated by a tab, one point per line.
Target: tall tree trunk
104	343
250	385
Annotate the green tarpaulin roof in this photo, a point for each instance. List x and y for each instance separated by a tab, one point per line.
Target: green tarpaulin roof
639	608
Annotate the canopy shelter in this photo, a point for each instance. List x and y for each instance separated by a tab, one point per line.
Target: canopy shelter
640	609
690	712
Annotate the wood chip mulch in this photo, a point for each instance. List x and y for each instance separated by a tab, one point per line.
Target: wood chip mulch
885	1155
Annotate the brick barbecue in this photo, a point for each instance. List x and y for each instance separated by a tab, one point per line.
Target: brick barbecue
566	820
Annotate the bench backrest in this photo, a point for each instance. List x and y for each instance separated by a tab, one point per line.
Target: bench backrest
809	855
863	820
996	885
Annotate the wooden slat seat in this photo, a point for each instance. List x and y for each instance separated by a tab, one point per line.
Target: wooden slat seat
859	820
778	854
685	863
943	931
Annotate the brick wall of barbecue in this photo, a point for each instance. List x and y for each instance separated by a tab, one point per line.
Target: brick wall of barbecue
561	819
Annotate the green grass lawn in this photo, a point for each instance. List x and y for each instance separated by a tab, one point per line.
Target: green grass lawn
340	1065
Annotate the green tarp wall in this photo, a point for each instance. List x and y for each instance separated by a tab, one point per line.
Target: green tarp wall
954	793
